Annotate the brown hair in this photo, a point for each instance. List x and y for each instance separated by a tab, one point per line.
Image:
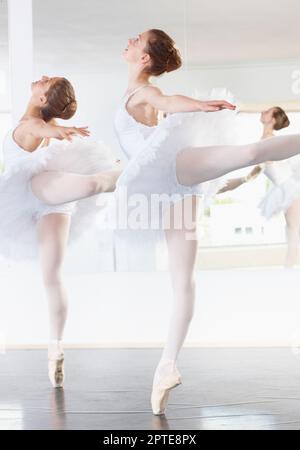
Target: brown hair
281	119
61	101
165	57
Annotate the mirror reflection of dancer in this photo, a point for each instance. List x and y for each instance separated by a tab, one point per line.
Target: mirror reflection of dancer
168	157
38	218
284	196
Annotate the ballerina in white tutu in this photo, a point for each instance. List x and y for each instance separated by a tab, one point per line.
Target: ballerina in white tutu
175	158
33	224
284	195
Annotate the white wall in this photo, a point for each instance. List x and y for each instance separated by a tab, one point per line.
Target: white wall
233	307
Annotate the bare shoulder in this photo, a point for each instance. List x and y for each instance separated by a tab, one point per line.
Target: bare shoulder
144	96
151	91
28	127
26	134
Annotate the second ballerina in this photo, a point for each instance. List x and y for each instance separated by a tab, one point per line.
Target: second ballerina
175	157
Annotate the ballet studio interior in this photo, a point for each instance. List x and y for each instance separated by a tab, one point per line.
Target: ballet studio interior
195	330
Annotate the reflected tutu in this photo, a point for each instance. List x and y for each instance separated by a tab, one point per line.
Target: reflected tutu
286	187
279	198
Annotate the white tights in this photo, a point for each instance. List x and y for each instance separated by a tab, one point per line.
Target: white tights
196	165
53	232
54	188
182	252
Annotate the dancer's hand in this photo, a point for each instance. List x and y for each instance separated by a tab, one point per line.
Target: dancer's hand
254	173
216	105
68	132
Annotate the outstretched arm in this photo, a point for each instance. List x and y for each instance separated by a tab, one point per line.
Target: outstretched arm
232	184
40	129
235	183
181	103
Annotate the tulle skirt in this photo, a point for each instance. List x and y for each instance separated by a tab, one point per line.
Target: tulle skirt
148	186
279	198
21	209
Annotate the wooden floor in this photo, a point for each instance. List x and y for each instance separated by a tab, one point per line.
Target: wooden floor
110	389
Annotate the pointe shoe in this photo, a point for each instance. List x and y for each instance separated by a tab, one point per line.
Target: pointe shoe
161	390
56	372
56	367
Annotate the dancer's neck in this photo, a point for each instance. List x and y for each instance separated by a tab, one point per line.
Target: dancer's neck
268	132
32	112
136	78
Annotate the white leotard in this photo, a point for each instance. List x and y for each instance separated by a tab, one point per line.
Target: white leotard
152	153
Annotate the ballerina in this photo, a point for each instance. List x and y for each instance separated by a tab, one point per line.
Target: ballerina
177	155
284	196
31	226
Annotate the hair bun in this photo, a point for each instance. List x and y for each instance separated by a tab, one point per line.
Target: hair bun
69	110
281	118
165	57
174	61
61	101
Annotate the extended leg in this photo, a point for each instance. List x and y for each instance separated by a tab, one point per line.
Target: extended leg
197	165
54	187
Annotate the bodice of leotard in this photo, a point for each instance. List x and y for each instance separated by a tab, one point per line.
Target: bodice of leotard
11	151
277	171
132	135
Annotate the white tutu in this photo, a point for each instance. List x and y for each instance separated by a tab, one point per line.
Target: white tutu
20	209
294	165
151	171
286	187
279	198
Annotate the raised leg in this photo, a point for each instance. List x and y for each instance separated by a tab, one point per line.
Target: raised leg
197	165
55	188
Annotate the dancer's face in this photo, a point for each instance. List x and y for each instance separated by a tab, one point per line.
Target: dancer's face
135	51
267	117
40	88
